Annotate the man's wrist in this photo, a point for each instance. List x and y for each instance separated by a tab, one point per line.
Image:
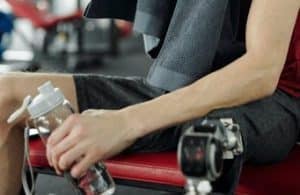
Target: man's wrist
133	122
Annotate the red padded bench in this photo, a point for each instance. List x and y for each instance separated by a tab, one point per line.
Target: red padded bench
160	170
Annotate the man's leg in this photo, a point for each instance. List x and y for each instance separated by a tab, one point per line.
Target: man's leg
113	92
11	156
83	91
270	126
13	88
270	129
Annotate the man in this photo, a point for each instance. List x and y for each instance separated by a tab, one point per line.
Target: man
220	77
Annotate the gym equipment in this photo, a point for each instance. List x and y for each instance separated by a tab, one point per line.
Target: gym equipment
202	150
61	28
12	60
160	171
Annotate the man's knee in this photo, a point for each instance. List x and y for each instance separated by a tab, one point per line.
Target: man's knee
269	137
8	104
270	129
272	147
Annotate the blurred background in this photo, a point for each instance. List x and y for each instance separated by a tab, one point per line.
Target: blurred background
53	36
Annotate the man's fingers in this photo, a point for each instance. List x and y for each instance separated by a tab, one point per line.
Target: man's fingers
82	166
70	157
48	155
58	134
62	131
66	144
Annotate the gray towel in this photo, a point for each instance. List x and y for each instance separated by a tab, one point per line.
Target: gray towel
190	44
152	19
187	38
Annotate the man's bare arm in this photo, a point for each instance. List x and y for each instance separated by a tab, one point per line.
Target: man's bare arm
251	77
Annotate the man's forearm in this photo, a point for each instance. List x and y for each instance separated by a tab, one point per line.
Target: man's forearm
233	85
255	75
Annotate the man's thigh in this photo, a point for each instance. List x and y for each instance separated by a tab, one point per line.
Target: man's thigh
23	84
112	92
270	126
270	129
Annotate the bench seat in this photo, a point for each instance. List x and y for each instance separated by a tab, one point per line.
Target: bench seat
162	169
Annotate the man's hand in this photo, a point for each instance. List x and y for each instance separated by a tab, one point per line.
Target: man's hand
85	139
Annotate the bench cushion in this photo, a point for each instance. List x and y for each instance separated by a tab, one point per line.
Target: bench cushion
162	168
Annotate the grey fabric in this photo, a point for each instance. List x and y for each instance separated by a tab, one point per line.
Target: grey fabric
189	39
270	129
110	92
151	44
190	44
270	126
152	19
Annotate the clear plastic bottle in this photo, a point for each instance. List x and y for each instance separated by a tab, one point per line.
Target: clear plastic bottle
48	110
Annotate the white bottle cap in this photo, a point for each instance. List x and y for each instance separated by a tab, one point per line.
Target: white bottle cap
47	99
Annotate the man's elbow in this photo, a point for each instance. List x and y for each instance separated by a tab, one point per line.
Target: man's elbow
270	86
269	71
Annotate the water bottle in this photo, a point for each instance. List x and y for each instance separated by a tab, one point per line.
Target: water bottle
47	112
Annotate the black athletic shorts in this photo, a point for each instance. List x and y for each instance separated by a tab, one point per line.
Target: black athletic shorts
270	126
